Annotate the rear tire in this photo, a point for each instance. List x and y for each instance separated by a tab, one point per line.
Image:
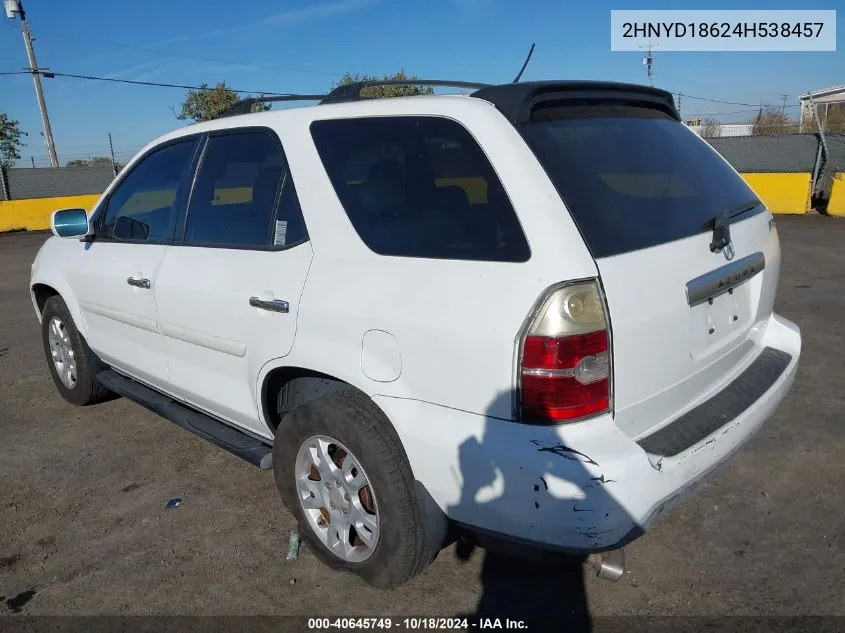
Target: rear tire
72	364
404	542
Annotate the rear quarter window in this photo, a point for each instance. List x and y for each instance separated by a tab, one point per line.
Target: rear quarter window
419	187
632	177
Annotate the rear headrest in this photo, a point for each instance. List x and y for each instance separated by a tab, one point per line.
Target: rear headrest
383	191
387	169
453	197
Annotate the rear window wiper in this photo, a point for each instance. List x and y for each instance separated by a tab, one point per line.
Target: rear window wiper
721	224
731	213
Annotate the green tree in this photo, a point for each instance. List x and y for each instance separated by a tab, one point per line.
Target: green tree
94	161
207	103
10	140
381	92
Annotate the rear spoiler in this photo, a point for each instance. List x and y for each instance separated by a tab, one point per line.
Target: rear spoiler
517	101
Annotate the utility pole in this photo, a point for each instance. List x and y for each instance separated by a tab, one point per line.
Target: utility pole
783	108
679	102
13	7
111	150
648	60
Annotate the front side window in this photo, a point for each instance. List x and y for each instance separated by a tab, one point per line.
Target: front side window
244	195
419	186
145	204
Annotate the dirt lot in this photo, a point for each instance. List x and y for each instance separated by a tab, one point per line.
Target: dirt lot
83	529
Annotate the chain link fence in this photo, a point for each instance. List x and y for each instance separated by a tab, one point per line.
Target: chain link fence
791	153
771	143
831	179
18	183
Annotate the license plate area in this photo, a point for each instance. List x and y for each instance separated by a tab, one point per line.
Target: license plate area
720	304
720	320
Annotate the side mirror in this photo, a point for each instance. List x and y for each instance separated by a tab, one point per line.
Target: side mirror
69	223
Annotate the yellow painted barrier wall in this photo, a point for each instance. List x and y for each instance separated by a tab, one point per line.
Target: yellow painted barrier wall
34	214
836	204
782	193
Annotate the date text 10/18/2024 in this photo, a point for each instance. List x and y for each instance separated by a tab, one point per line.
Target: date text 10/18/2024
416	624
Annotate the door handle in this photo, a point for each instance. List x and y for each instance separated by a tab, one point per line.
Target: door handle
139	283
276	305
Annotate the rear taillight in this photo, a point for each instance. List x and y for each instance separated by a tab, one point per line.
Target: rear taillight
565	357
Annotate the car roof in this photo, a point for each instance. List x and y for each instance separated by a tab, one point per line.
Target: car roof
350	109
514	100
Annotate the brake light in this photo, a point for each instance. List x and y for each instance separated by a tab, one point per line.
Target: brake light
565	359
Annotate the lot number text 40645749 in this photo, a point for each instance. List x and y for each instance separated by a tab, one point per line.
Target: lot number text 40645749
416	624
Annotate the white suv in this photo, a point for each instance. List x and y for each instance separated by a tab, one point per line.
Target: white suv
536	314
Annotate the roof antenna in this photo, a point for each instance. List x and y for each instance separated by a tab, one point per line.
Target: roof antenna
527	59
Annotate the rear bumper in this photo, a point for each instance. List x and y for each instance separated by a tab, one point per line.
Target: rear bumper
581	488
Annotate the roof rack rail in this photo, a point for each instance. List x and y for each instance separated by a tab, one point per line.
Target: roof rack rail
244	106
352	92
515	100
346	92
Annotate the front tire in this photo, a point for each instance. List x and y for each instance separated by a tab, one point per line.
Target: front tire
72	364
342	471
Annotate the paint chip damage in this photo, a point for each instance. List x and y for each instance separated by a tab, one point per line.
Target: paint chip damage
564	451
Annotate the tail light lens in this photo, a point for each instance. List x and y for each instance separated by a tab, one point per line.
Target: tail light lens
565	358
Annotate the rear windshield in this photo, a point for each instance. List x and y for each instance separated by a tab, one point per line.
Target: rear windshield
633	177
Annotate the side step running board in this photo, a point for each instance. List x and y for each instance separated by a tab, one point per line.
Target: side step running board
236	442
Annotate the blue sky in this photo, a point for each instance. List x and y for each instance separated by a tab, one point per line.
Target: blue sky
305	45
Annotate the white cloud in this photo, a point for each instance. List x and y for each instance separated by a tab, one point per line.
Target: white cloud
325	10
130	70
146	70
294	16
159	69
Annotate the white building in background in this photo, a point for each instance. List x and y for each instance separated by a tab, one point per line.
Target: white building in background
825	101
722	129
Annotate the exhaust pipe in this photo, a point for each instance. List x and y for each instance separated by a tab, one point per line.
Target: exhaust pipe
608	565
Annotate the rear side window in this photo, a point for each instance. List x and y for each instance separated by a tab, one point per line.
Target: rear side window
244	195
144	205
419	187
632	177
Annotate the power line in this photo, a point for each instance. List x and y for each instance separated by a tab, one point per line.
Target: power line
102	151
51	74
715	114
190	87
197	57
700	114
282	94
752	105
157	84
87	149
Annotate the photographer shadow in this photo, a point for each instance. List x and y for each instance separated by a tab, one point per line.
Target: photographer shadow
525	478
